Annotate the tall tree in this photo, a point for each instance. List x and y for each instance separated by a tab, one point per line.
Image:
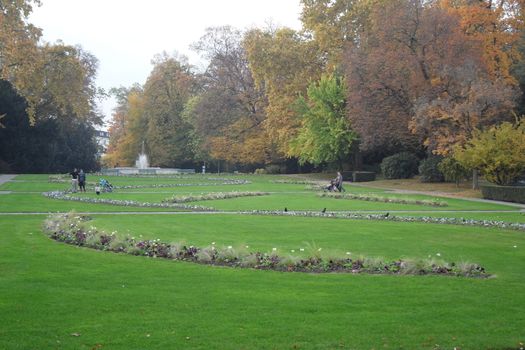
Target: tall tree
418	68
325	135
229	112
167	89
128	128
496	25
282	62
336	23
19	52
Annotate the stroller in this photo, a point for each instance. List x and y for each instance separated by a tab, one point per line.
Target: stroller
335	186
105	185
332	187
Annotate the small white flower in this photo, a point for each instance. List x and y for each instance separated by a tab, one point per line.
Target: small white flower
213	243
438	254
301	249
348	253
515	246
319	249
247	246
274	249
293	250
229	247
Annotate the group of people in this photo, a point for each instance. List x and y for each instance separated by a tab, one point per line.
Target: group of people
78	182
336	185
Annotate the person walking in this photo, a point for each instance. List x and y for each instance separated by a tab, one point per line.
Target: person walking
74	180
82	181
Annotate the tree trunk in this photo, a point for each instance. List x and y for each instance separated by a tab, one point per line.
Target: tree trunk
475	180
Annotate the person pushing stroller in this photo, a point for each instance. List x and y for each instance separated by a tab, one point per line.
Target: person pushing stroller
336	184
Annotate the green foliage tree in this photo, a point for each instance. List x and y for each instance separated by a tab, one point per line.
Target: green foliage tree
325	135
453	170
49	145
498	152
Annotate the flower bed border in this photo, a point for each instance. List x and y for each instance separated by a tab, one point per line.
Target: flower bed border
225	181
63	195
432	203
388	217
212	196
69	228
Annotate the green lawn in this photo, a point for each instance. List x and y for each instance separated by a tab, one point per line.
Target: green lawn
56	296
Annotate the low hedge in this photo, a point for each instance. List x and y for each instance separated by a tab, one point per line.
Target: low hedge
514	194
358	176
363	176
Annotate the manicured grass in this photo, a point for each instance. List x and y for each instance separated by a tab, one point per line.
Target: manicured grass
50	292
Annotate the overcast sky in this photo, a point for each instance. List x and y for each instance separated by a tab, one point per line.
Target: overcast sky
125	34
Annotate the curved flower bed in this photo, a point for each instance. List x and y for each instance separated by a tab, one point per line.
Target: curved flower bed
432	203
212	196
294	182
127	203
229	182
72	229
224	181
388	217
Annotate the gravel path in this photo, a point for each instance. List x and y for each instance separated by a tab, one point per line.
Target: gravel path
5	178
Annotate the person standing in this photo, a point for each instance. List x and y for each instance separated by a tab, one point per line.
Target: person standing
339	182
82	181
74	180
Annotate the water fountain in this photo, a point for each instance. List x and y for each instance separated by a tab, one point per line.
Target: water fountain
142	161
142	167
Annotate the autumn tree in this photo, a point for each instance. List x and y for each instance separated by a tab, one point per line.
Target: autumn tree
19	52
167	89
325	135
228	113
417	68
282	62
67	87
335	24
128	127
496	25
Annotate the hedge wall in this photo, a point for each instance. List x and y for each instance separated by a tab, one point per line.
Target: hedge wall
358	176
514	194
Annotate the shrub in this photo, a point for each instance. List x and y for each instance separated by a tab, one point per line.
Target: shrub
429	170
400	166
498	152
514	194
273	169
452	170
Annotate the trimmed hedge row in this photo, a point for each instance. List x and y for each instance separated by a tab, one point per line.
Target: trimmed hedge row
363	176
359	176
514	194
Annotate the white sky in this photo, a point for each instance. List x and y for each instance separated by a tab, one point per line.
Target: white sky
125	34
